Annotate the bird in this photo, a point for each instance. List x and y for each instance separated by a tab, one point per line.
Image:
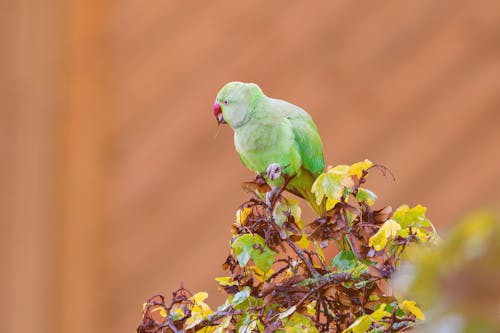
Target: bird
273	137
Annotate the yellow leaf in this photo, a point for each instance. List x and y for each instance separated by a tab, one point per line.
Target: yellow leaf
304	242
199	306
422	236
360	325
195	319
311	308
199	297
410	307
388	231
330	203
320	252
357	168
241	215
331	184
379	313
378	241
289	273
391	228
342	173
226	281
177	314
260	274
208	329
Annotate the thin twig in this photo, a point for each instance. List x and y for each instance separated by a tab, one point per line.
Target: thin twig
298	251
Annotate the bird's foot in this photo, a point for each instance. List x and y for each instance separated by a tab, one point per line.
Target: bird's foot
273	171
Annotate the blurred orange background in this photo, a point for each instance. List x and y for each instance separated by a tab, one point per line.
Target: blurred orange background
117	183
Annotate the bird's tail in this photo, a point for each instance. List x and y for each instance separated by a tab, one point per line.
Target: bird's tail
301	187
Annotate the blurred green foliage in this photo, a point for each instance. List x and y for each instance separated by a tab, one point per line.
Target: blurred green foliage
457	282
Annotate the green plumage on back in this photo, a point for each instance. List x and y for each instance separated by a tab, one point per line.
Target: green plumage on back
268	130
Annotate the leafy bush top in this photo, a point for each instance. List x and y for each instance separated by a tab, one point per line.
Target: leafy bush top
279	277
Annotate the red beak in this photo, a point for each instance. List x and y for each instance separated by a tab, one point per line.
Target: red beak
218	114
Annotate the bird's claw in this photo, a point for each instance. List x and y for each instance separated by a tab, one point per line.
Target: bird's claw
273	171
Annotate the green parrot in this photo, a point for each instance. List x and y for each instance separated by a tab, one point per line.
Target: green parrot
273	137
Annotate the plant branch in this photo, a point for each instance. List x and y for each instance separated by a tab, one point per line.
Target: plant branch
297	250
330	278
210	320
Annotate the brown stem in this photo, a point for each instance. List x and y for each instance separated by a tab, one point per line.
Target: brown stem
280	191
306	261
298	251
306	296
172	326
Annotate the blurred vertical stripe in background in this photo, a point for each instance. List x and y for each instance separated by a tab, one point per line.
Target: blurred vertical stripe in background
116	183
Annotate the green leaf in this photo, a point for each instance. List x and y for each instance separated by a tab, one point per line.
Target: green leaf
224	324
241	296
289	206
365	195
263	260
246	324
253	247
298	323
344	261
414	217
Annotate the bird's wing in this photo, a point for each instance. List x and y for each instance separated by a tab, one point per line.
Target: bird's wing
308	141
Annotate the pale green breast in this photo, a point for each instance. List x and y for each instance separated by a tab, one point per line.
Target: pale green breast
262	142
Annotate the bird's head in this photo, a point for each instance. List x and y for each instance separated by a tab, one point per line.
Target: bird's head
233	101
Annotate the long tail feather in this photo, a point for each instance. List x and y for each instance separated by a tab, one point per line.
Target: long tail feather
301	187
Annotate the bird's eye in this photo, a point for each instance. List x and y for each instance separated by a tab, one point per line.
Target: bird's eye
225	102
